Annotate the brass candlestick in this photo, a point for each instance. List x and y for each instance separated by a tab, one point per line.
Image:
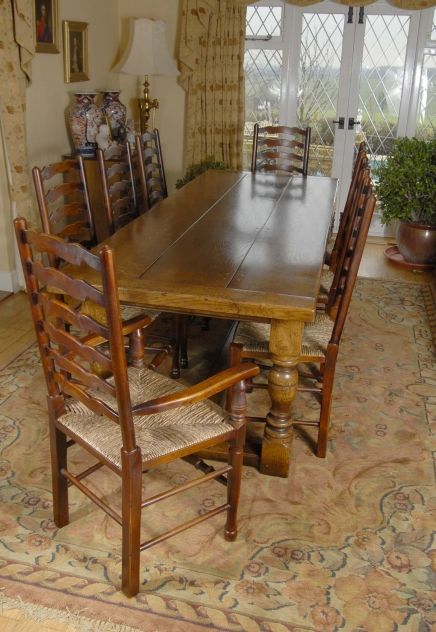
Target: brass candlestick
145	107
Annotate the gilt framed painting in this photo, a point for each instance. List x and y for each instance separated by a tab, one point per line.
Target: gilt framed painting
75	51
46	26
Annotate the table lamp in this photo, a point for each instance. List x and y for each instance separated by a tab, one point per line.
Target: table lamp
147	54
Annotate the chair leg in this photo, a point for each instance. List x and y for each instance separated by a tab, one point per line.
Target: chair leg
175	368
235	357
236	453
131	515
328	371
137	348
183	333
58	448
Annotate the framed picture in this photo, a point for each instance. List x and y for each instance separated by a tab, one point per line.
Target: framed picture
46	26
75	51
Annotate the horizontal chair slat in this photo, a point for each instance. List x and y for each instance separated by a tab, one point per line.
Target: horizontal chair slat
80	290
82	321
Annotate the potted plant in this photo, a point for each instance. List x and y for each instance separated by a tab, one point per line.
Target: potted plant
406	190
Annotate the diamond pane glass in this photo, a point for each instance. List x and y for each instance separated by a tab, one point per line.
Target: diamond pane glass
264	22
318	85
426	116
263	69
381	81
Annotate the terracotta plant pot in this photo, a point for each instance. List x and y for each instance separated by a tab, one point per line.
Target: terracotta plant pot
417	242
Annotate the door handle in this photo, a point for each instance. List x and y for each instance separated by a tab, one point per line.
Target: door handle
341	122
352	122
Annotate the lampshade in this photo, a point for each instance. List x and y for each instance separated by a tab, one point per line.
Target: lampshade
147	52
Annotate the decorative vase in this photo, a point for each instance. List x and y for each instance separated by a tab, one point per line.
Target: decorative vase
417	242
84	119
115	113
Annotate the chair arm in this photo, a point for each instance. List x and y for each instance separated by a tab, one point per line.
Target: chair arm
200	391
129	326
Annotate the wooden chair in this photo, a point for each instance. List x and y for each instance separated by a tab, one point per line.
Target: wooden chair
361	163
335	256
151	167
131	422
122	201
280	148
64	209
151	170
321	339
63	201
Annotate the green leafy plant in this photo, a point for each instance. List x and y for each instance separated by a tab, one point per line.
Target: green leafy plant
195	170
406	182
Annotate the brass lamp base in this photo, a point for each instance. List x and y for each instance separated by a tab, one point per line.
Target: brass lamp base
145	106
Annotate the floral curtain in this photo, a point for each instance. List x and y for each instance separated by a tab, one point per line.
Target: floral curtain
211	56
16	52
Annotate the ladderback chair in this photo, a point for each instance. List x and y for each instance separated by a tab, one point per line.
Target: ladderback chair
321	339
280	148
132	421
151	166
360	164
122	201
149	159
63	201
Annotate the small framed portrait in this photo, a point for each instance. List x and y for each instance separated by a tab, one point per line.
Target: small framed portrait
75	51
46	26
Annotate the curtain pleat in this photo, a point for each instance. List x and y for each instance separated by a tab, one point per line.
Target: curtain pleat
211	56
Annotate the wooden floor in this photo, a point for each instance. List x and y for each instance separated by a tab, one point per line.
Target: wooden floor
16	334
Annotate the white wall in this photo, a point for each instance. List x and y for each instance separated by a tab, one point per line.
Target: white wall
48	97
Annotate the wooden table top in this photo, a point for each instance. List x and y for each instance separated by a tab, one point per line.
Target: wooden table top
230	244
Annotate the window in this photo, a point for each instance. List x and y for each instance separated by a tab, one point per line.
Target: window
263	69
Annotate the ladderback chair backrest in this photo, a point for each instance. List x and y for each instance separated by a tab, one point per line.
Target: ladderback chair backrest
120	196
338	306
281	148
361	166
149	151
64	333
343	251
63	201
136	172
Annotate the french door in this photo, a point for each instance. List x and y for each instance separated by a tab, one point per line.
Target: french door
347	72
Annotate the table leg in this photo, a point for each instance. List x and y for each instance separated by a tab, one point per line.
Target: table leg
285	349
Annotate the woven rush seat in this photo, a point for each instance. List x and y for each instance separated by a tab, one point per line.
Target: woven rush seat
255	336
156	435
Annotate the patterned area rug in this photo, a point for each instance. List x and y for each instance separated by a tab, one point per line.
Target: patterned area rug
344	544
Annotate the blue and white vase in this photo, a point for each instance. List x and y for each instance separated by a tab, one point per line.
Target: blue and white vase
84	119
115	113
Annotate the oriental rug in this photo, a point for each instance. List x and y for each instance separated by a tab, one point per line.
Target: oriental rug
344	544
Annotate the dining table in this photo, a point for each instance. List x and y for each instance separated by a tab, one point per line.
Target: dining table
237	245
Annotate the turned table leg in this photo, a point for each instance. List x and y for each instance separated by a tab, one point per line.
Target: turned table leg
285	349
